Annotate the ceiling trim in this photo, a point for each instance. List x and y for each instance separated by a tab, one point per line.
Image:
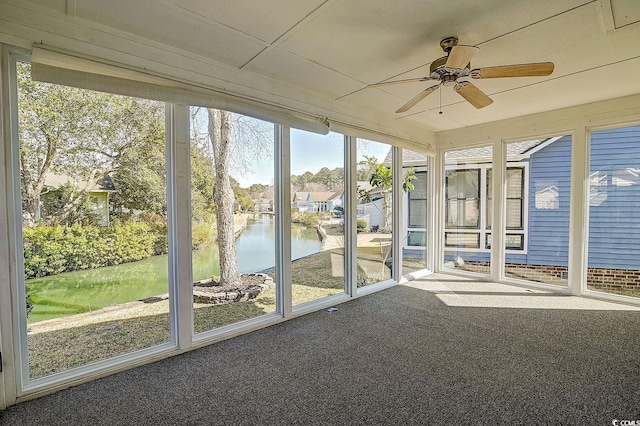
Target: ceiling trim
612	112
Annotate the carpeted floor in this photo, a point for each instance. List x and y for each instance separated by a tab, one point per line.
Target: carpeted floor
440	351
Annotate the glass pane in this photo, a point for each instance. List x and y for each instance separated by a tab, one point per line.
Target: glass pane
462	184
374	212
463	198
416	239
417	213
512	241
514	182
233	229
489	199
419	191
514	189
514	214
414	250
466	207
540	207
465	240
614	212
317	231
93	183
463	213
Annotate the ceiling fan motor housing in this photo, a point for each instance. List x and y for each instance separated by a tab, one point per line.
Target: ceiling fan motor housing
438	71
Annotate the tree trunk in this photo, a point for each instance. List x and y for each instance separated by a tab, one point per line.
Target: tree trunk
220	134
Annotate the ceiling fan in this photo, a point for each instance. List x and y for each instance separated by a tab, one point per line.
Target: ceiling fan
455	65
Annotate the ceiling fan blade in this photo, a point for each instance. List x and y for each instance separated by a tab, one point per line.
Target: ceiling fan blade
472	94
408	80
420	96
521	70
460	56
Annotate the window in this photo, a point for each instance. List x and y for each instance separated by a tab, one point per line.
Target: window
514	205
463	198
418	201
465	189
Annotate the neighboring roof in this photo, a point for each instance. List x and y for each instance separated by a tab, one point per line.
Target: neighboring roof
300	195
54	180
523	148
316	196
408	157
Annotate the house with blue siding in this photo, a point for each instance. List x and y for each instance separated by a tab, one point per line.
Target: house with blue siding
538	178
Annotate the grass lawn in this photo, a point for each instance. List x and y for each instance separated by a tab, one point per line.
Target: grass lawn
75	345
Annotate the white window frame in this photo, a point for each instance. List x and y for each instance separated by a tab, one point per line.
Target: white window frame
482	231
407	226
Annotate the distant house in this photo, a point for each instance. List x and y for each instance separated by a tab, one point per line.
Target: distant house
372	212
263	205
97	192
314	202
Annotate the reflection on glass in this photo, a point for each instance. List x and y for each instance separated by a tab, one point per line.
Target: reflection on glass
233	220
374	212
93	185
467	209
614	212
317	211
537	203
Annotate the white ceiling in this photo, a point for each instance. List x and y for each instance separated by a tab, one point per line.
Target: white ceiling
333	48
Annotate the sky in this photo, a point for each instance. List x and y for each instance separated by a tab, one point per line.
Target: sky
310	152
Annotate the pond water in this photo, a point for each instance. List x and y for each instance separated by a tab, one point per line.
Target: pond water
81	291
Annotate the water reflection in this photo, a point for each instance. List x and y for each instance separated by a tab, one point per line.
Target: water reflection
81	291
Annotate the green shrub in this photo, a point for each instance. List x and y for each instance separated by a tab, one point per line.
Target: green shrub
202	235
309	220
361	225
55	249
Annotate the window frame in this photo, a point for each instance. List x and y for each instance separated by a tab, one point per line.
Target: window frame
484	231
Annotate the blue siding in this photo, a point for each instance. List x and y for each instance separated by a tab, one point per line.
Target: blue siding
614	212
550	170
614	220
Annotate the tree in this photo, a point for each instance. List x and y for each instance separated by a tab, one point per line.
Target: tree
220	133
366	168
202	183
235	140
82	135
139	169
381	178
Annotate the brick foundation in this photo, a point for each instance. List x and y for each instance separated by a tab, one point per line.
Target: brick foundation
601	279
